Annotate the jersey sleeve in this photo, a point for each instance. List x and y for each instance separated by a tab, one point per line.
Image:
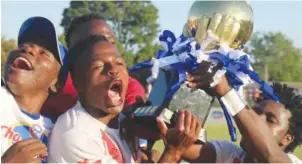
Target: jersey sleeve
76	147
227	152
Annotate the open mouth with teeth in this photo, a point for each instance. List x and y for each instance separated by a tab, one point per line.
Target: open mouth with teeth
22	63
115	93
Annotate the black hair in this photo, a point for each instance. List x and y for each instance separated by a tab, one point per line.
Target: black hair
292	101
80	20
81	46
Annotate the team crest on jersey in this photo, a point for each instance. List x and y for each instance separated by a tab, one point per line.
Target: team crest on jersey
19	132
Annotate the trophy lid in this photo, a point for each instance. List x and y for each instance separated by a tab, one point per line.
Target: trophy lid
231	21
241	10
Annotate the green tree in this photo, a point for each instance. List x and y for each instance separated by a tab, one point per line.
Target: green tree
6	47
133	22
275	57
62	39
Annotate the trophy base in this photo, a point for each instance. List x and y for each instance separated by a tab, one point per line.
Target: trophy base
197	101
147	115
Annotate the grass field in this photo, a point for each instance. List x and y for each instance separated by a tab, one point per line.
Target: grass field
220	132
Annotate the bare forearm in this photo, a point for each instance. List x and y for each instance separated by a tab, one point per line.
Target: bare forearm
263	144
170	155
255	131
200	153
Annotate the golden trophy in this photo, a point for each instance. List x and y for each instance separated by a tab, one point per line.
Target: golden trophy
211	23
231	22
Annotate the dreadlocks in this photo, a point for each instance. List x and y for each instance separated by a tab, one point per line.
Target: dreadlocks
79	20
292	101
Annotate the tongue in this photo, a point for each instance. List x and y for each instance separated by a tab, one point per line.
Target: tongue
114	96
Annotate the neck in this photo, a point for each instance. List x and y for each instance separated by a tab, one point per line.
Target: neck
111	120
31	103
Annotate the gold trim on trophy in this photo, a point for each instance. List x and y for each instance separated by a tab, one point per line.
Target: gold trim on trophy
201	31
230	21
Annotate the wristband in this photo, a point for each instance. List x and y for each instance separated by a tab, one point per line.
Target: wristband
233	102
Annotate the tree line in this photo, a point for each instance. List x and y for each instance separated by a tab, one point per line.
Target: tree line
135	23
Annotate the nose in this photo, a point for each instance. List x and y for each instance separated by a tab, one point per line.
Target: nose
29	49
113	71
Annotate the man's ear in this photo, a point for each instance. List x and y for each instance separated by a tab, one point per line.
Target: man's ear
286	140
54	86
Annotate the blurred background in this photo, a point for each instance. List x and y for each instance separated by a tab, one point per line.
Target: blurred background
275	47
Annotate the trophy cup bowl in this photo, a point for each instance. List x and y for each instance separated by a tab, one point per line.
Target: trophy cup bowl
230	21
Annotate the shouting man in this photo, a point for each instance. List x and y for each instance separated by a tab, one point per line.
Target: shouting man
33	72
90	132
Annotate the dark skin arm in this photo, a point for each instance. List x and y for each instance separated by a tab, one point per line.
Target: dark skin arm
263	145
180	138
177	139
149	156
200	153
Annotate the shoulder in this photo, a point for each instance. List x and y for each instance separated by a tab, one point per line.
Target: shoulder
8	102
72	146
72	127
226	145
70	117
227	152
5	94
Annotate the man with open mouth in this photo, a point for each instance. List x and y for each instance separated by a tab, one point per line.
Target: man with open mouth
90	131
80	28
33	71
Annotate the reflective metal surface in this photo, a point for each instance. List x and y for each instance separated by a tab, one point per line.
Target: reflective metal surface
231	21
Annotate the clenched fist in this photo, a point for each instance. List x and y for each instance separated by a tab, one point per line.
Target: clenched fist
26	151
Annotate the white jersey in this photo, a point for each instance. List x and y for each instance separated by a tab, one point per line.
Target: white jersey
17	125
227	152
79	138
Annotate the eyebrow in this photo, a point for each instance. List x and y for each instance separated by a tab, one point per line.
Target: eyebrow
99	59
96	59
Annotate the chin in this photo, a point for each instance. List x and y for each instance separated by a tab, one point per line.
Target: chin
115	110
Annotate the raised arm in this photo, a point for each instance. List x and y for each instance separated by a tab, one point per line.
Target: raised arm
255	131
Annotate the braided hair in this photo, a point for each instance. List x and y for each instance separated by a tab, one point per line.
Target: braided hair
292	101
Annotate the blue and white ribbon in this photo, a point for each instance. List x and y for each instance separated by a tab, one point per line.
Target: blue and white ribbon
183	55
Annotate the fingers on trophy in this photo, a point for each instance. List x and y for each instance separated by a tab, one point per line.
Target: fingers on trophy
215	23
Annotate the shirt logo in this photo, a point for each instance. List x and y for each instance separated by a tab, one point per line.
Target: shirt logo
19	132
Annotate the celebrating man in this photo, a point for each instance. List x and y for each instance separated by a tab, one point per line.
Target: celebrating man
93	24
33	72
90	132
79	29
270	130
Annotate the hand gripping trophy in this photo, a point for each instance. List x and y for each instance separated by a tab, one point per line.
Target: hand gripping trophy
215	32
